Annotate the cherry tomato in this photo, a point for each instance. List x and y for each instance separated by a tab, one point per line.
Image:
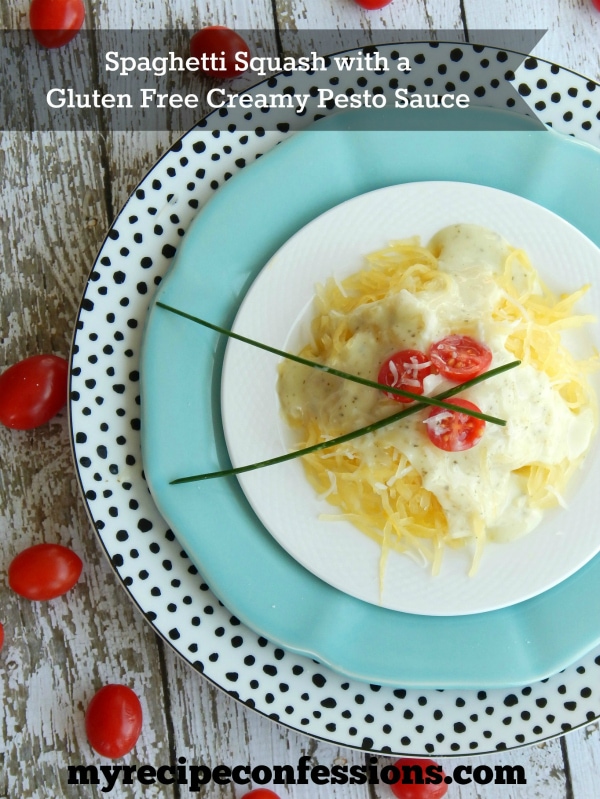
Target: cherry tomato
453	431
44	571
260	793
113	720
55	22
1	636
405	370
460	358
216	48
596	4
32	391
408	787
372	5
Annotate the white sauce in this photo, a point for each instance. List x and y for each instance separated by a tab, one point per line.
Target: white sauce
480	481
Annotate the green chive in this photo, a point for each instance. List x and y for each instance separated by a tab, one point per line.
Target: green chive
354	378
348	436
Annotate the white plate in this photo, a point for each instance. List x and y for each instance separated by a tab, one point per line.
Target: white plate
337	552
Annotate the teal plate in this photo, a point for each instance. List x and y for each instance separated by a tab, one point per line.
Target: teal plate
229	242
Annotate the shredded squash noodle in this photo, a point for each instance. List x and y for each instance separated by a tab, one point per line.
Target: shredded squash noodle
377	482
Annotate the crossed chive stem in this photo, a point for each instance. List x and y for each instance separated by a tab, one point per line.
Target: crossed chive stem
420	401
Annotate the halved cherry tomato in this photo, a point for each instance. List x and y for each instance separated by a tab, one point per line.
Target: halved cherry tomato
113	721
372	5
55	22
460	358
405	370
260	793
216	48
44	571
421	778
453	431
32	391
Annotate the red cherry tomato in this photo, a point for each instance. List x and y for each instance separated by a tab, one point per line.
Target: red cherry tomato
405	370
460	358
32	391
216	48
1	636
596	4
55	22
44	571
260	793
113	720
409	785
372	5
453	431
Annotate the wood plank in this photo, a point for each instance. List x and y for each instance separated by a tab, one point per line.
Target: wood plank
348	16
336	25
583	758
56	654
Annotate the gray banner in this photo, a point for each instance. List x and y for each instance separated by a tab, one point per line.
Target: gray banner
143	80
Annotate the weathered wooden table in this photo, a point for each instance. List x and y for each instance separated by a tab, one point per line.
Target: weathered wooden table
60	193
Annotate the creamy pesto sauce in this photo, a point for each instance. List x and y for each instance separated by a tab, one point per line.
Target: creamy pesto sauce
479	482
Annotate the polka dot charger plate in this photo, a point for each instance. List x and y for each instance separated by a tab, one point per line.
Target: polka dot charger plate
248	617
